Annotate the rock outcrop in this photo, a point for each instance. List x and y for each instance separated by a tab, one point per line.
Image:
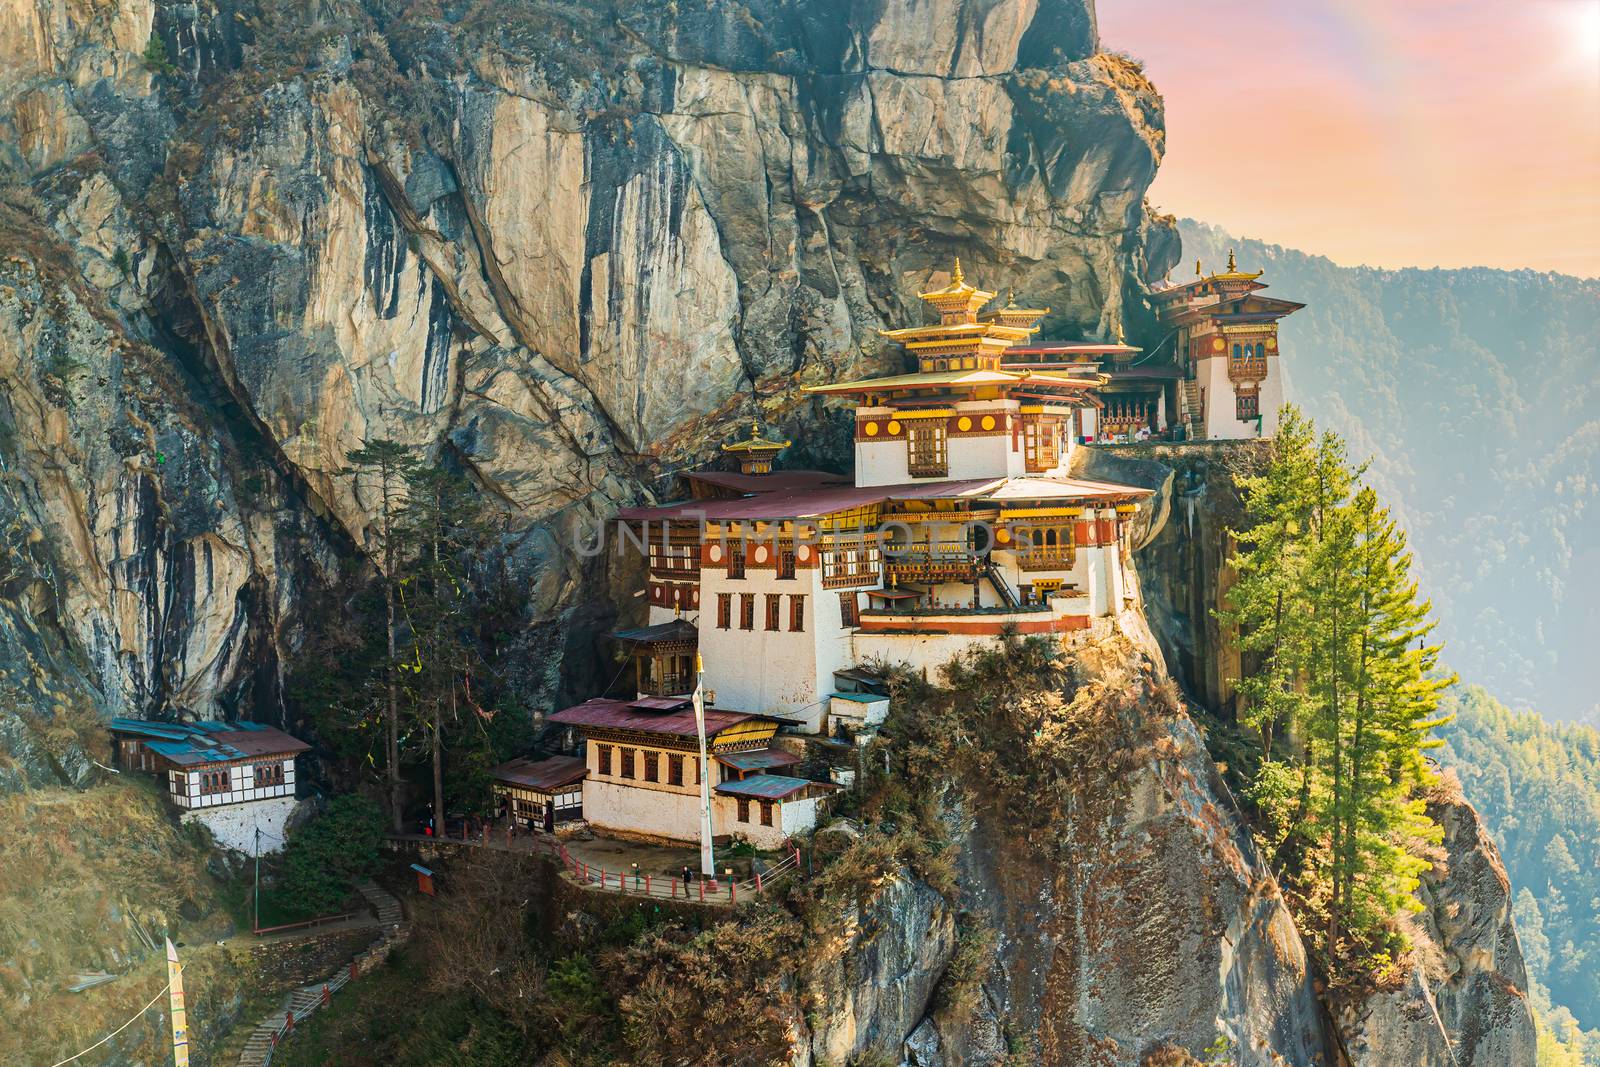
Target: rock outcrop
561	247
1464	1002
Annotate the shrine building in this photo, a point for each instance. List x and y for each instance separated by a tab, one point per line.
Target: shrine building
1214	374
1224	337
237	778
960	524
642	764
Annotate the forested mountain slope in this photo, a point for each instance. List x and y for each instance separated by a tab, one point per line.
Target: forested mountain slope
1476	393
1537	787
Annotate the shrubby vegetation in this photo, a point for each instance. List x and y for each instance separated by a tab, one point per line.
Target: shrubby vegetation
1537	786
327	855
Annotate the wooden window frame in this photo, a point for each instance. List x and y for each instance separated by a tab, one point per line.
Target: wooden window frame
267	774
849	608
602	759
786	567
627	765
927	448
724	611
214	782
743	804
1247	406
774	611
747	611
735	552
674	769
767	807
797	613
652	766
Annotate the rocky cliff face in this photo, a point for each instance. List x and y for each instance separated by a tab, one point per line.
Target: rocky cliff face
561	246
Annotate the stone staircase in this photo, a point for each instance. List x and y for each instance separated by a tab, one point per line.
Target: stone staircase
1193	421
297	1004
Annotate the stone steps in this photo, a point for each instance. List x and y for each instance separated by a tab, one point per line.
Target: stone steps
263	1041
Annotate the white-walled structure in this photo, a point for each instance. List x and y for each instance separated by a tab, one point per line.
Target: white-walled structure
1225	337
960	524
237	778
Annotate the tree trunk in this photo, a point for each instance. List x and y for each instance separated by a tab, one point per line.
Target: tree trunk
438	757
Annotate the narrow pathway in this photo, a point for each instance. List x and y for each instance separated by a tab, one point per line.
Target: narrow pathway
270	1032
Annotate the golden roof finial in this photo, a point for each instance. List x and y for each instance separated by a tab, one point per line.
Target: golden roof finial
1231	266
1011	298
1198	273
955	275
1120	337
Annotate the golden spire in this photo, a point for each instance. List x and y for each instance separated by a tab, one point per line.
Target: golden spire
1011	298
955	275
1231	265
1198	273
1120	338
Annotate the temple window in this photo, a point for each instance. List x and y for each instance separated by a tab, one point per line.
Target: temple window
744	809
1249	406
774	600
627	763
652	769
1236	352
847	609
797	612
213	782
736	560
674	770
925	440
724	611
747	611
603	758
766	812
268	774
786	561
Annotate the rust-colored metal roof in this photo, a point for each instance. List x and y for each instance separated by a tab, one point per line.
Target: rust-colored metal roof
603	713
545	776
769	786
191	744
759	759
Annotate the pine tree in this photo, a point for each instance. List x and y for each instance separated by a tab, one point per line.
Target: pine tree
385	465
1343	692
444	521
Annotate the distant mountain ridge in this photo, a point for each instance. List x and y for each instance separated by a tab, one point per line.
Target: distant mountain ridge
1476	393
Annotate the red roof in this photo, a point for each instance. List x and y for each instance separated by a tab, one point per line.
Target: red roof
766	483
806	503
623	715
545	776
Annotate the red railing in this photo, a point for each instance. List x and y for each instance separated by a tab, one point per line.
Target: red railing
304	924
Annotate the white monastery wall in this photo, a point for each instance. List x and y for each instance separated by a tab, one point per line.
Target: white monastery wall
636	809
1222	422
761	670
234	825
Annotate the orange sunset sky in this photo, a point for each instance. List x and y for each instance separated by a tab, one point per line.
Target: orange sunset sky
1401	133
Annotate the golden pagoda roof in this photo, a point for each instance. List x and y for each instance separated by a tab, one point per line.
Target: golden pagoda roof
957	289
1233	273
959	331
965	379
756	442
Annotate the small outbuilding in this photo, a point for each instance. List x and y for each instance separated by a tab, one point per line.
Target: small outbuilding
235	777
766	809
543	794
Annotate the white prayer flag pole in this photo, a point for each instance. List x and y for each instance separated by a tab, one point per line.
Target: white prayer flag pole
708	864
